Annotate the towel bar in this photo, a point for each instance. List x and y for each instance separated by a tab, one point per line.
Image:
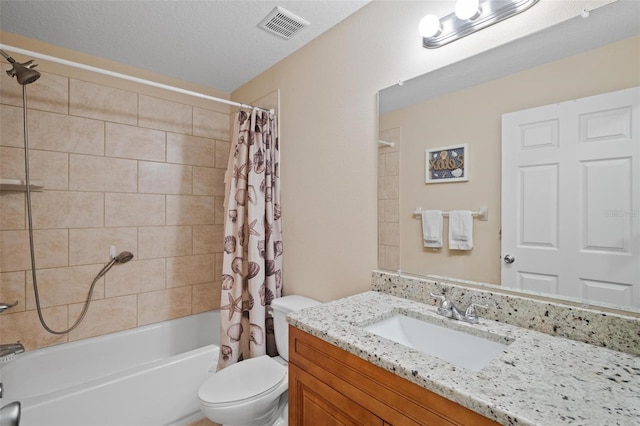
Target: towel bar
481	214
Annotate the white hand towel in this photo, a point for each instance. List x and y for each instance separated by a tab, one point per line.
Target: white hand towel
432	228
460	230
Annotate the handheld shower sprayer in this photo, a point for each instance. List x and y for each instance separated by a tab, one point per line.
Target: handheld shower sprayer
123	257
24	72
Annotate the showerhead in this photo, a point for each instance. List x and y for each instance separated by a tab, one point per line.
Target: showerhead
24	73
123	257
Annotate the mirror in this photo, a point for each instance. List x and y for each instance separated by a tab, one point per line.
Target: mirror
462	104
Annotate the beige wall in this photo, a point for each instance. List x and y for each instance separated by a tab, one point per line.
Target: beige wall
473	116
120	167
329	130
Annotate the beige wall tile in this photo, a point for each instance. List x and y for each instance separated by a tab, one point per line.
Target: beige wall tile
104	316
392	210
187	270
381	165
51	167
25	326
51	249
164	241
164	305
210	124
12	210
208	239
382	255
392	258
12	133
58	132
190	210
161	178
388	187
208	181
89	173
392	163
390	234
62	286
134	277
222	154
206	297
92	245
12	163
102	102
219	211
12	289
192	150
161	114
219	260
136	143
67	209
50	94
134	209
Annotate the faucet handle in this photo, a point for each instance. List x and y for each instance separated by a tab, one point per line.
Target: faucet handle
5	306
440	297
446	306
470	311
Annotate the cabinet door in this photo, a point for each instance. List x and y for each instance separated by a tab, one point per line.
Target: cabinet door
312	403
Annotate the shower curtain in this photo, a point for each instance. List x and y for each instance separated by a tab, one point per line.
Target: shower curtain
252	265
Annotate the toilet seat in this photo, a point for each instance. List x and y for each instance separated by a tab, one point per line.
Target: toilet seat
242	382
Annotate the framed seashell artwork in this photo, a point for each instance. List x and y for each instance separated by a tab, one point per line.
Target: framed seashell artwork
447	164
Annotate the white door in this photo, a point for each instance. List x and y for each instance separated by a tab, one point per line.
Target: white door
571	198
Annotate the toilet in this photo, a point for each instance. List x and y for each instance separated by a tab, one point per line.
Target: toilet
254	392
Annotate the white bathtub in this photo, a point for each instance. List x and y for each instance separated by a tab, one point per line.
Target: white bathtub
146	376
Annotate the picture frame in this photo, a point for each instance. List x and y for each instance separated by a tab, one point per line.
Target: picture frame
447	164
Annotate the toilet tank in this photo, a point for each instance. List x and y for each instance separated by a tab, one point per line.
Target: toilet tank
281	307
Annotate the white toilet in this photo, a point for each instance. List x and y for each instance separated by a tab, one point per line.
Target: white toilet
254	392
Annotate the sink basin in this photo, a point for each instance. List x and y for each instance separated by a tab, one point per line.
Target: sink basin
456	347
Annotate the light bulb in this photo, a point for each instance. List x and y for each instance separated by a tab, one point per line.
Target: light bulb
467	9
430	26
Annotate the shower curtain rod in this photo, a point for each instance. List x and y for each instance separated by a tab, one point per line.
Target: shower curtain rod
126	77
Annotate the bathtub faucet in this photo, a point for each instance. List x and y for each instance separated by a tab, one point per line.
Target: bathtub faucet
11	349
10	414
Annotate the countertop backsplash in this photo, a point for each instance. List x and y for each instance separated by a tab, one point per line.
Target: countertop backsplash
611	330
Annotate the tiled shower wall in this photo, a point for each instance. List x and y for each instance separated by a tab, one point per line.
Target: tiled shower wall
120	169
389	201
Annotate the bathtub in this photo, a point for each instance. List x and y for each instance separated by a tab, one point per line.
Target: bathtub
146	376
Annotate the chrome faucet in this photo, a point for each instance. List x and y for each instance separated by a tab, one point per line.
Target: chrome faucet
448	309
10	414
11	349
5	306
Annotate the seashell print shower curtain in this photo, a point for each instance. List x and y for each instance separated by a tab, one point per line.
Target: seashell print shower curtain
252	265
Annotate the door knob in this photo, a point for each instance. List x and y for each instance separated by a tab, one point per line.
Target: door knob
508	259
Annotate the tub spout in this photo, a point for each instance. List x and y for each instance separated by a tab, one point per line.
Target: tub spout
11	349
10	414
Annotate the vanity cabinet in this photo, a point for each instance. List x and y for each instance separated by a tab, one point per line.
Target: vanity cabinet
329	386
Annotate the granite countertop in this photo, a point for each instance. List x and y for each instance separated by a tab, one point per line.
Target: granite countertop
538	379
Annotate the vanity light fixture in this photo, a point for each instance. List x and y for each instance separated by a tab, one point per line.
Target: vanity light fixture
469	17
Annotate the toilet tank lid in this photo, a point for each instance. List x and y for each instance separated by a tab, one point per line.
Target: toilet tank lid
292	303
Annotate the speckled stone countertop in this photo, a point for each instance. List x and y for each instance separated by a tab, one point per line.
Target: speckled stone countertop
538	379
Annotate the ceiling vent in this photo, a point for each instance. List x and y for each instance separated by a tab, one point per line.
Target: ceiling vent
282	23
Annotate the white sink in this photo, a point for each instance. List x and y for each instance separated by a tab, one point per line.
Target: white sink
456	347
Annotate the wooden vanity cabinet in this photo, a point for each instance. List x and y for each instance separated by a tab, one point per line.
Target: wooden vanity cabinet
329	386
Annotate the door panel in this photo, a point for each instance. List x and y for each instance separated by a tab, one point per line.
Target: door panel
571	198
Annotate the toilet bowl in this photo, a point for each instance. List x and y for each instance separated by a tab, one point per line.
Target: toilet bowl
254	392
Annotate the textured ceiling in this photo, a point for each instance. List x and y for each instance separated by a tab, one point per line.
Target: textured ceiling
213	43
